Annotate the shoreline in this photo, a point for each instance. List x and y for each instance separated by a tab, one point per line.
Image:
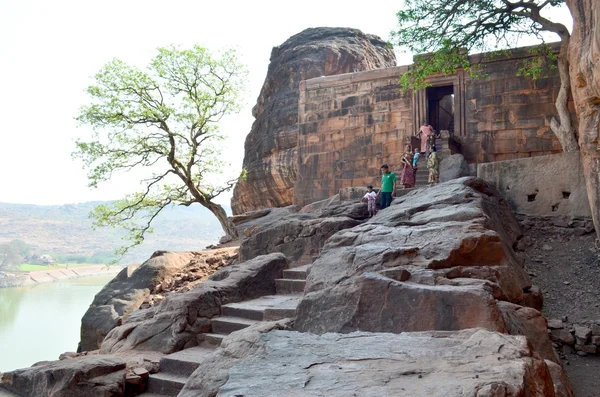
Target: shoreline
24	279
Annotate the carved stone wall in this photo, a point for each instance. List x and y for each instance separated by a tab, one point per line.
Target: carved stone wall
270	154
351	124
508	116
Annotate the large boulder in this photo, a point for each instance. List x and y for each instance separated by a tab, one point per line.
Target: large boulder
298	233
181	319
439	258
270	150
125	294
472	362
94	375
453	167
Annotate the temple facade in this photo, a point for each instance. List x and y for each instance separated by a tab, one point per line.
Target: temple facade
352	123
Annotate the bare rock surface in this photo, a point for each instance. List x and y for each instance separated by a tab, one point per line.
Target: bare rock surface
471	362
270	150
139	287
300	235
180	319
438	259
94	375
452	167
214	371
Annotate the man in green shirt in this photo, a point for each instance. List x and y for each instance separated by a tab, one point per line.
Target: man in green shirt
388	186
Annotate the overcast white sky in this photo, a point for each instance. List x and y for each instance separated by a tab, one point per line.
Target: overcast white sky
50	49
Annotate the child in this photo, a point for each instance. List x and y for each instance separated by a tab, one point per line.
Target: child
370	197
415	161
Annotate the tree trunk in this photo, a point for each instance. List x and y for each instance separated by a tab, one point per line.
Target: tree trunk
218	211
584	56
563	126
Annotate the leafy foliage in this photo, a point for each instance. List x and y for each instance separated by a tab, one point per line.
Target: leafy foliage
12	253
165	119
451	29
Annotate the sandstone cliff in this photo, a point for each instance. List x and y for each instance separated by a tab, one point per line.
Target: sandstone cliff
270	150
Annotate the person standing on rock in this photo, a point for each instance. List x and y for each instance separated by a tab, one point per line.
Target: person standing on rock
433	164
388	186
371	198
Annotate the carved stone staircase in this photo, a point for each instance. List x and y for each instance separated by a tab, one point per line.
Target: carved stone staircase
422	177
176	368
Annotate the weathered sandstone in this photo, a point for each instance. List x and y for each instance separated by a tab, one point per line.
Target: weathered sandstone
98	376
180	319
438	259
584	73
471	362
270	151
134	287
298	235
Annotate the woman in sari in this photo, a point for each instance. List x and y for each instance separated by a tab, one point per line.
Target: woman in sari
408	174
424	133
433	164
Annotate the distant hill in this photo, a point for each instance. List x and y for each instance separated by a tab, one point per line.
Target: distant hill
64	231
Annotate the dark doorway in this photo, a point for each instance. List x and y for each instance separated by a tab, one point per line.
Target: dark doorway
440	107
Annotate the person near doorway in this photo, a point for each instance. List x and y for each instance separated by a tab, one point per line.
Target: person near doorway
407	179
415	163
388	186
433	164
424	133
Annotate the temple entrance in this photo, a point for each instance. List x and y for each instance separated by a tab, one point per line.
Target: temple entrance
440	108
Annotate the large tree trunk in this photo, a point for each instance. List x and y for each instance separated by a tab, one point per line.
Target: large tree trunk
218	211
563	126
584	57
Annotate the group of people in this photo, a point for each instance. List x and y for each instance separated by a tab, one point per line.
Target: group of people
409	170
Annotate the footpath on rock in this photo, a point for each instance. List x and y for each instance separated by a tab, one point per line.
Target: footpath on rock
426	298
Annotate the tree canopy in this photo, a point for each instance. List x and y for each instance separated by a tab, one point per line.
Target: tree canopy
165	119
449	30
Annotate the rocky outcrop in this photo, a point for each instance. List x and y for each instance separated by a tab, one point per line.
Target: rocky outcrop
139	287
214	371
101	376
438	259
124	294
270	150
298	235
584	73
472	362
180	319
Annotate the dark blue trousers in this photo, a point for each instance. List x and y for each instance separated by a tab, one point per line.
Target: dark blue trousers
386	199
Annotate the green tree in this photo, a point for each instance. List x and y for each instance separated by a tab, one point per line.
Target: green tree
164	119
10	254
451	29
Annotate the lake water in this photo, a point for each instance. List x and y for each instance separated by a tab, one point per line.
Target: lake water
40	322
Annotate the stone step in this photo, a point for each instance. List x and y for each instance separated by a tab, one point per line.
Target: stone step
146	394
184	362
239	310
226	324
297	273
267	308
289	286
166	384
212	340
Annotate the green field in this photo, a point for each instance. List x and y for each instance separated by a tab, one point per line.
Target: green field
32	268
